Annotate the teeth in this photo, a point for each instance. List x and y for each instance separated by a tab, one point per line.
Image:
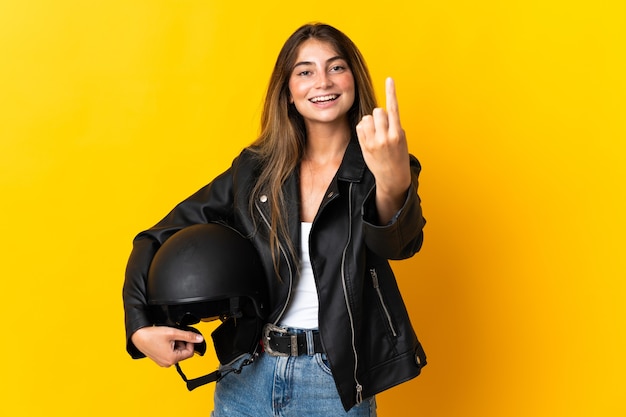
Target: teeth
329	97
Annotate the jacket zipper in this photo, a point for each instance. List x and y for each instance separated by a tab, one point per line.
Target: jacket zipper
382	301
358	386
284	253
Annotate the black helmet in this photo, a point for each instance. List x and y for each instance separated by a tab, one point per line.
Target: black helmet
205	272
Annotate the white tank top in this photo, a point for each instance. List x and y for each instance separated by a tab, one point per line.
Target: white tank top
303	309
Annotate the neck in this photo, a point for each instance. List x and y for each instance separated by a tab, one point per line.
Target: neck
326	143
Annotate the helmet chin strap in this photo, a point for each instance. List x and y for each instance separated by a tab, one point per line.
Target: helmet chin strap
200	348
200	381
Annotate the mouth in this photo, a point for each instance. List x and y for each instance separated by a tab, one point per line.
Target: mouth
324	99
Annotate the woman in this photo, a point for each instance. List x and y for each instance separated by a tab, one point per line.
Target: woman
327	194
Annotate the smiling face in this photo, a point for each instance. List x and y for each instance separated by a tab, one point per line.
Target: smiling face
321	84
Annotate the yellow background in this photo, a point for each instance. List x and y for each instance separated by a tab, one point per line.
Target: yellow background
112	112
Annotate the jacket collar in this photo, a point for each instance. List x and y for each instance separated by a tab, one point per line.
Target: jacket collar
353	165
352	169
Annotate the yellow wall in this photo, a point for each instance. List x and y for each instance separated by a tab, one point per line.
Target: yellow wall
111	112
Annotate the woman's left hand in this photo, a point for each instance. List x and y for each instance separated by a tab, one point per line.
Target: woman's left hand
386	154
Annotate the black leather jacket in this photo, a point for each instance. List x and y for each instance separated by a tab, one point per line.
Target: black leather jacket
364	325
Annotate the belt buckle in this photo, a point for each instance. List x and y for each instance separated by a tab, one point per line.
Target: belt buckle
267	329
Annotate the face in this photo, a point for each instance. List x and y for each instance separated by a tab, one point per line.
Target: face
321	84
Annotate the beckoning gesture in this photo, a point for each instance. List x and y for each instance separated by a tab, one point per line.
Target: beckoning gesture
386	154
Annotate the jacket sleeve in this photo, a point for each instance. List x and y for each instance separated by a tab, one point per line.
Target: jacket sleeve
402	237
211	203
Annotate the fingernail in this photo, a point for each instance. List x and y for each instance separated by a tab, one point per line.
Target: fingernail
199	338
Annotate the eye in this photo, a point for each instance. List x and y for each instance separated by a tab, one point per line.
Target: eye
337	68
304	73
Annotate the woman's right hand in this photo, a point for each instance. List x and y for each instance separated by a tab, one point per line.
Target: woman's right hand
166	346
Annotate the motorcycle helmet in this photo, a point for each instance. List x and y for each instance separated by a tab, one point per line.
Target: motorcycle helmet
206	272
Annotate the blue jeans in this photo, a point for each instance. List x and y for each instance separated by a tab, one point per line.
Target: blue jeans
294	386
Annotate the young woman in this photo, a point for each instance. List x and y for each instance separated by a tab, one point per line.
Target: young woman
327	195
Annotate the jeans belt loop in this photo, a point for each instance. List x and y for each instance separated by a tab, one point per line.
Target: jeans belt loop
310	345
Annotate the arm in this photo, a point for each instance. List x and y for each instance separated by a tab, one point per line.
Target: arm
211	203
403	235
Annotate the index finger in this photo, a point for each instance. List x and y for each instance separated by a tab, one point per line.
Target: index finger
187	336
392	103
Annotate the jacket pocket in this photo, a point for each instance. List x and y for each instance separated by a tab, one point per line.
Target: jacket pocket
382	304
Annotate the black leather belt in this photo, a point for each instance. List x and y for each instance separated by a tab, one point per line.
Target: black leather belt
279	342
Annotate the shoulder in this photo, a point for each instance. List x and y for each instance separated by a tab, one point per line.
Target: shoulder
247	161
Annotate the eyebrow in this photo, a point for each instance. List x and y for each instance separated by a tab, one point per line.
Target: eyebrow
312	63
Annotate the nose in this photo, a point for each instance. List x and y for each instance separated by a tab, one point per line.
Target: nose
324	80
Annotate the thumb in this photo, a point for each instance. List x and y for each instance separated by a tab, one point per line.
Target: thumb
182	350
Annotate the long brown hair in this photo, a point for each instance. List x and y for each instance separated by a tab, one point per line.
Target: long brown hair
280	145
